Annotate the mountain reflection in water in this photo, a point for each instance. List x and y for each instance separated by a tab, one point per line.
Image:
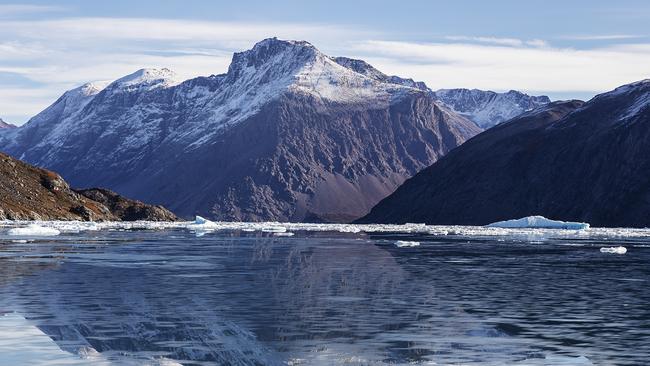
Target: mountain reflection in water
235	298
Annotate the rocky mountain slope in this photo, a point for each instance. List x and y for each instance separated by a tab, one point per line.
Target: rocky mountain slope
5	125
288	133
30	193
487	108
567	160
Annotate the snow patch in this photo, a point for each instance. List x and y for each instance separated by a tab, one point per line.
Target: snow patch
540	222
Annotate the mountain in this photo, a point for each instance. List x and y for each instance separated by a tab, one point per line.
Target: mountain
30	193
571	161
288	133
5	125
487	108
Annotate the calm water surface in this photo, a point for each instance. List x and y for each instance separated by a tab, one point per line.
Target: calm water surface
236	298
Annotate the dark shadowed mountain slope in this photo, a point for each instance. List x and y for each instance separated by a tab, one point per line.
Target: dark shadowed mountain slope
30	193
287	134
565	161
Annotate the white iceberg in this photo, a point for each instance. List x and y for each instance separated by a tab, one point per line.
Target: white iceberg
33	230
201	220
202	225
539	222
614	250
406	244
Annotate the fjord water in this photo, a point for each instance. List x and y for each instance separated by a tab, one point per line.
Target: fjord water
322	298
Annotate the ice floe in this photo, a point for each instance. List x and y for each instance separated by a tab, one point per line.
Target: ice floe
540	222
406	244
614	250
33	230
202	226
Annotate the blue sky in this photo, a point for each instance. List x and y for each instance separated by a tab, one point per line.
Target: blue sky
565	49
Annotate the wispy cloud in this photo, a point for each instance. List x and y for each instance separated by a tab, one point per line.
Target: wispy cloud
57	54
444	65
602	37
511	42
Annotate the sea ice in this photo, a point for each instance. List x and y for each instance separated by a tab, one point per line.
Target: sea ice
33	230
540	222
406	244
274	229
614	250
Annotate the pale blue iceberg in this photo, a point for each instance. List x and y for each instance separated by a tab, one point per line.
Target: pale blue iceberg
540	222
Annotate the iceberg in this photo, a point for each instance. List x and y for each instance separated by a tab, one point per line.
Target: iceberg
33	230
202	225
406	244
614	250
539	222
200	220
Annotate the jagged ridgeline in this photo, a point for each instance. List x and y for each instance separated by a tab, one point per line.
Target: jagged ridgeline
288	133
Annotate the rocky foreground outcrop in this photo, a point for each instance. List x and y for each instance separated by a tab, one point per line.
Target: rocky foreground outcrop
31	193
127	209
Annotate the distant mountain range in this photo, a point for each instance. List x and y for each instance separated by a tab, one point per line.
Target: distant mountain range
487	108
30	193
570	160
288	133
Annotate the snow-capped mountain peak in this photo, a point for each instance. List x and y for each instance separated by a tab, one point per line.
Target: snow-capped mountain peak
298	66
147	79
273	57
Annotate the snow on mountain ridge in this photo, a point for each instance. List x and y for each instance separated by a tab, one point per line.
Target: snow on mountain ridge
273	67
637	98
364	68
148	78
6	125
255	77
488	108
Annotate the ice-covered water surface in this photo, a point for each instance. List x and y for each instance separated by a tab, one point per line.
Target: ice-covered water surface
204	293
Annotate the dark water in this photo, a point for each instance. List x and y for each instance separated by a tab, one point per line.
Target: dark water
235	298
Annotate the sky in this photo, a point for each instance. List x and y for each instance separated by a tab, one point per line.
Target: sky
564	49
